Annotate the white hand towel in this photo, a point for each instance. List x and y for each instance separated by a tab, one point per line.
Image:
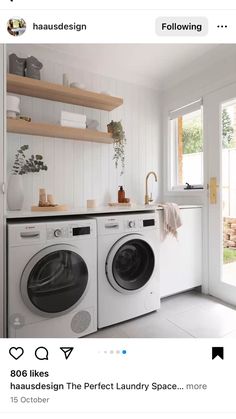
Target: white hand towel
172	220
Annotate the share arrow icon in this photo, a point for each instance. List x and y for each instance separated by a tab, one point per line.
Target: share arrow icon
66	350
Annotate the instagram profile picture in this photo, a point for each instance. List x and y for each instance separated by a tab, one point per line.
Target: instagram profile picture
16	26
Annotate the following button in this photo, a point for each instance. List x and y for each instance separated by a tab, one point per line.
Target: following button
181	26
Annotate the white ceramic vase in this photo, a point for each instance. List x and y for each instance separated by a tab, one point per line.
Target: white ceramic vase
15	193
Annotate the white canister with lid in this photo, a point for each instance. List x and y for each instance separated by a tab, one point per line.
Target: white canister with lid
13	106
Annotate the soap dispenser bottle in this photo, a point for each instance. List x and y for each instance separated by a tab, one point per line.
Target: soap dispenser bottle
121	195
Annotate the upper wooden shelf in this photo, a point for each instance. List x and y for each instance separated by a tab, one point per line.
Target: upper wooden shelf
44	90
19	126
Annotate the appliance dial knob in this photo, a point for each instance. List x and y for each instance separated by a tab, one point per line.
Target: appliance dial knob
131	224
57	232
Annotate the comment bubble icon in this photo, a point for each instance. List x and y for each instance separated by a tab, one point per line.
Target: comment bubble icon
41	353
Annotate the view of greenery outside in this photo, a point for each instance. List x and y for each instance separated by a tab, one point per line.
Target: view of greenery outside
192	135
193	138
229	255
193	143
227	130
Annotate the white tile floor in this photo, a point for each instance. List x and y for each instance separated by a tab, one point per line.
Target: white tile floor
186	315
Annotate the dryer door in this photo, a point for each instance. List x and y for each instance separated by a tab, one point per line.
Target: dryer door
130	263
54	281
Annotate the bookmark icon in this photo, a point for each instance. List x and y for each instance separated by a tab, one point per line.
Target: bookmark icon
217	351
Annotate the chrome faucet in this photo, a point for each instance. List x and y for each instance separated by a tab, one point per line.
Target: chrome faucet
148	198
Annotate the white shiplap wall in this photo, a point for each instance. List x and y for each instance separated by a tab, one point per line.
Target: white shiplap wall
77	170
2	222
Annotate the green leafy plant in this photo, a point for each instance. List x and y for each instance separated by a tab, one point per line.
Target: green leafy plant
23	165
227	130
118	135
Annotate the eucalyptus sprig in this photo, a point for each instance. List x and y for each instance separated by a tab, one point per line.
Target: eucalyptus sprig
118	135
23	165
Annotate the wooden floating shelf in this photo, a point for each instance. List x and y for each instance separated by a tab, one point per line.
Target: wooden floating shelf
57	207
19	126
57	92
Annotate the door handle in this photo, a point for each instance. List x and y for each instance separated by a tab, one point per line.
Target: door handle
213	190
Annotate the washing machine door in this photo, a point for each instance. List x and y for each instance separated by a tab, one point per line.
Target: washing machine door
130	263
54	281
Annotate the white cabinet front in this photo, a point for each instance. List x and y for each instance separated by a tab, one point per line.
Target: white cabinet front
181	258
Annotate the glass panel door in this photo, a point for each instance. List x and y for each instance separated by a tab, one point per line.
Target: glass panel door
228	115
220	121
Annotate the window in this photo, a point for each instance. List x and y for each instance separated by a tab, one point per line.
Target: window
186	162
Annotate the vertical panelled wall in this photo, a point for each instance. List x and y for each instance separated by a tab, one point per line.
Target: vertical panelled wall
77	170
2	235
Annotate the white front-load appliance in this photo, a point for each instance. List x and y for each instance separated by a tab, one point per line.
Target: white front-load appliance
52	278
128	273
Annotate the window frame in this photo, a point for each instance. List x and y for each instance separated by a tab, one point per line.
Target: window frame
172	149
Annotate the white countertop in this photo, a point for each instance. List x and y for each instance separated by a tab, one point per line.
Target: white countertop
89	211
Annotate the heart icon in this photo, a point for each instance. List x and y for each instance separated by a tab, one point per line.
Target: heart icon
16	353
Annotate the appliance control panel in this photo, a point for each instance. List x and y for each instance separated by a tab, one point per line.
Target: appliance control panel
31	233
139	223
109	225
70	231
57	232
126	223
132	224
75	231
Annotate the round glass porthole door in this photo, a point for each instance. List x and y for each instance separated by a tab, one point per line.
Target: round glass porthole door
54	281
130	264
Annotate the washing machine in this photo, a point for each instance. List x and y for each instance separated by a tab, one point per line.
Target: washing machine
52	279
128	271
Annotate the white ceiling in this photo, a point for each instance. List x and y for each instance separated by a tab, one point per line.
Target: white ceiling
158	66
